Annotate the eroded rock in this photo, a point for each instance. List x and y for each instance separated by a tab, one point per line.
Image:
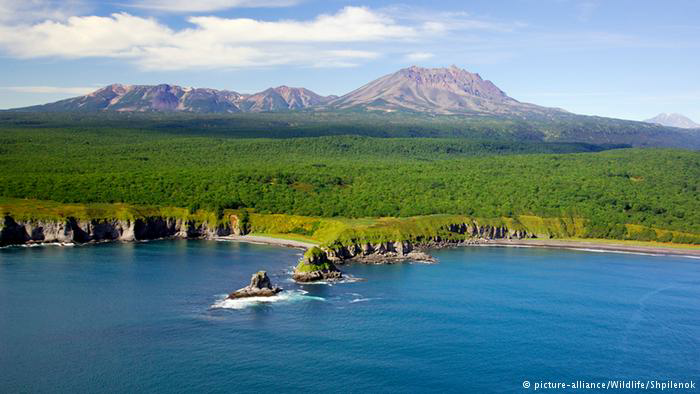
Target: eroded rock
260	286
315	266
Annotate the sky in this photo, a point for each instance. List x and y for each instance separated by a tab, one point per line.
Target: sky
616	58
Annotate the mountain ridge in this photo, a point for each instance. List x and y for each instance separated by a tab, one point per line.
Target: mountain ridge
174	98
449	90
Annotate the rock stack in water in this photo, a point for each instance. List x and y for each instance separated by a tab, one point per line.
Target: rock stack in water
260	286
315	266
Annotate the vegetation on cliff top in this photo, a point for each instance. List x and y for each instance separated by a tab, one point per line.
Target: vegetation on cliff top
342	231
314	259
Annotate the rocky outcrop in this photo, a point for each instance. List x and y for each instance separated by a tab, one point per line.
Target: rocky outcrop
389	252
260	286
315	266
71	230
379	253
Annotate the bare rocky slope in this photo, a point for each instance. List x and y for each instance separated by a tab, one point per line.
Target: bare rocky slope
674	120
436	90
427	90
173	98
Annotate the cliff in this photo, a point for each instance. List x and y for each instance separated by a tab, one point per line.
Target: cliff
72	230
389	242
409	248
315	266
366	240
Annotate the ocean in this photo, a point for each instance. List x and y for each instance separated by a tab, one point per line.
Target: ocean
151	317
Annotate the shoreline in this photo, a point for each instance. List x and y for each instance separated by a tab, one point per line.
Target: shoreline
585	246
595	247
263	240
581	245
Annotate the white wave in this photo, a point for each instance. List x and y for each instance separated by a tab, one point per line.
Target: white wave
284	296
597	250
362	300
331	282
625	252
506	245
43	244
659	254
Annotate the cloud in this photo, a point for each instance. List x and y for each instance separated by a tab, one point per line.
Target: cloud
207	5
444	21
77	90
211	42
351	24
120	35
417	56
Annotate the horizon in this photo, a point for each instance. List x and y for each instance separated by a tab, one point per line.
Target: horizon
587	57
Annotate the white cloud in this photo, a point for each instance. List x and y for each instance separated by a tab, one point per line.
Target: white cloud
351	24
207	5
418	56
77	90
444	21
120	35
211	42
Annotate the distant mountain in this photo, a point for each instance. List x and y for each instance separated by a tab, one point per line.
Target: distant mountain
435	90
415	89
282	98
173	98
674	120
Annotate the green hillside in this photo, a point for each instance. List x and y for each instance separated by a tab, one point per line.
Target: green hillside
561	127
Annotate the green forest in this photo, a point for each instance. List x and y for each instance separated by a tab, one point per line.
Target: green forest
564	127
355	176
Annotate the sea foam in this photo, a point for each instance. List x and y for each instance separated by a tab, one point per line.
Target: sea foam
283	297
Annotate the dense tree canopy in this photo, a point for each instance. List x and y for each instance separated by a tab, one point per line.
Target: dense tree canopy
355	176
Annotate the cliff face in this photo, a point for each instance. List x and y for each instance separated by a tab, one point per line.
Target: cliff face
73	230
314	266
398	251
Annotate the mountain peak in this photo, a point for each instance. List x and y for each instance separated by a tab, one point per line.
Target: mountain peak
447	90
673	120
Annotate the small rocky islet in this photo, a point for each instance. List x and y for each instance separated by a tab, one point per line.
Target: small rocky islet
315	266
260	286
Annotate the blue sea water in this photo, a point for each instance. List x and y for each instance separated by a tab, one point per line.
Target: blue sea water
149	317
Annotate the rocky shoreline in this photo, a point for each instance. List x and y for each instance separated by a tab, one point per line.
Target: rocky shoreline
76	231
393	252
315	266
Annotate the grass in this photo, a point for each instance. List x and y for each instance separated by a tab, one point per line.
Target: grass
29	209
314	254
345	231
